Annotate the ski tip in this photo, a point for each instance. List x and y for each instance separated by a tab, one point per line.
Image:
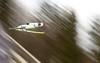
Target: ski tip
11	29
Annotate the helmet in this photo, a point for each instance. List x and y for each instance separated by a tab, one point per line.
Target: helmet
40	24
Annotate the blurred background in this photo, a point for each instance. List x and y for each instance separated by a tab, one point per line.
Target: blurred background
71	31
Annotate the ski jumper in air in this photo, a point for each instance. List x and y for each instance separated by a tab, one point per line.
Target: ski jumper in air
28	26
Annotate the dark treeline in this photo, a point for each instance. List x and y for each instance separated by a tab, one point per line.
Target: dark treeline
95	38
58	44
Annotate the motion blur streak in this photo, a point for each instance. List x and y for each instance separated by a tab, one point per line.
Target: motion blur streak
37	61
4	48
61	42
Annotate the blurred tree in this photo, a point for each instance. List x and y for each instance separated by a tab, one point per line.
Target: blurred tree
95	38
4	11
8	14
12	14
62	22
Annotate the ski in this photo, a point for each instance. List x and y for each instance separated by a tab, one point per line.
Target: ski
30	31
